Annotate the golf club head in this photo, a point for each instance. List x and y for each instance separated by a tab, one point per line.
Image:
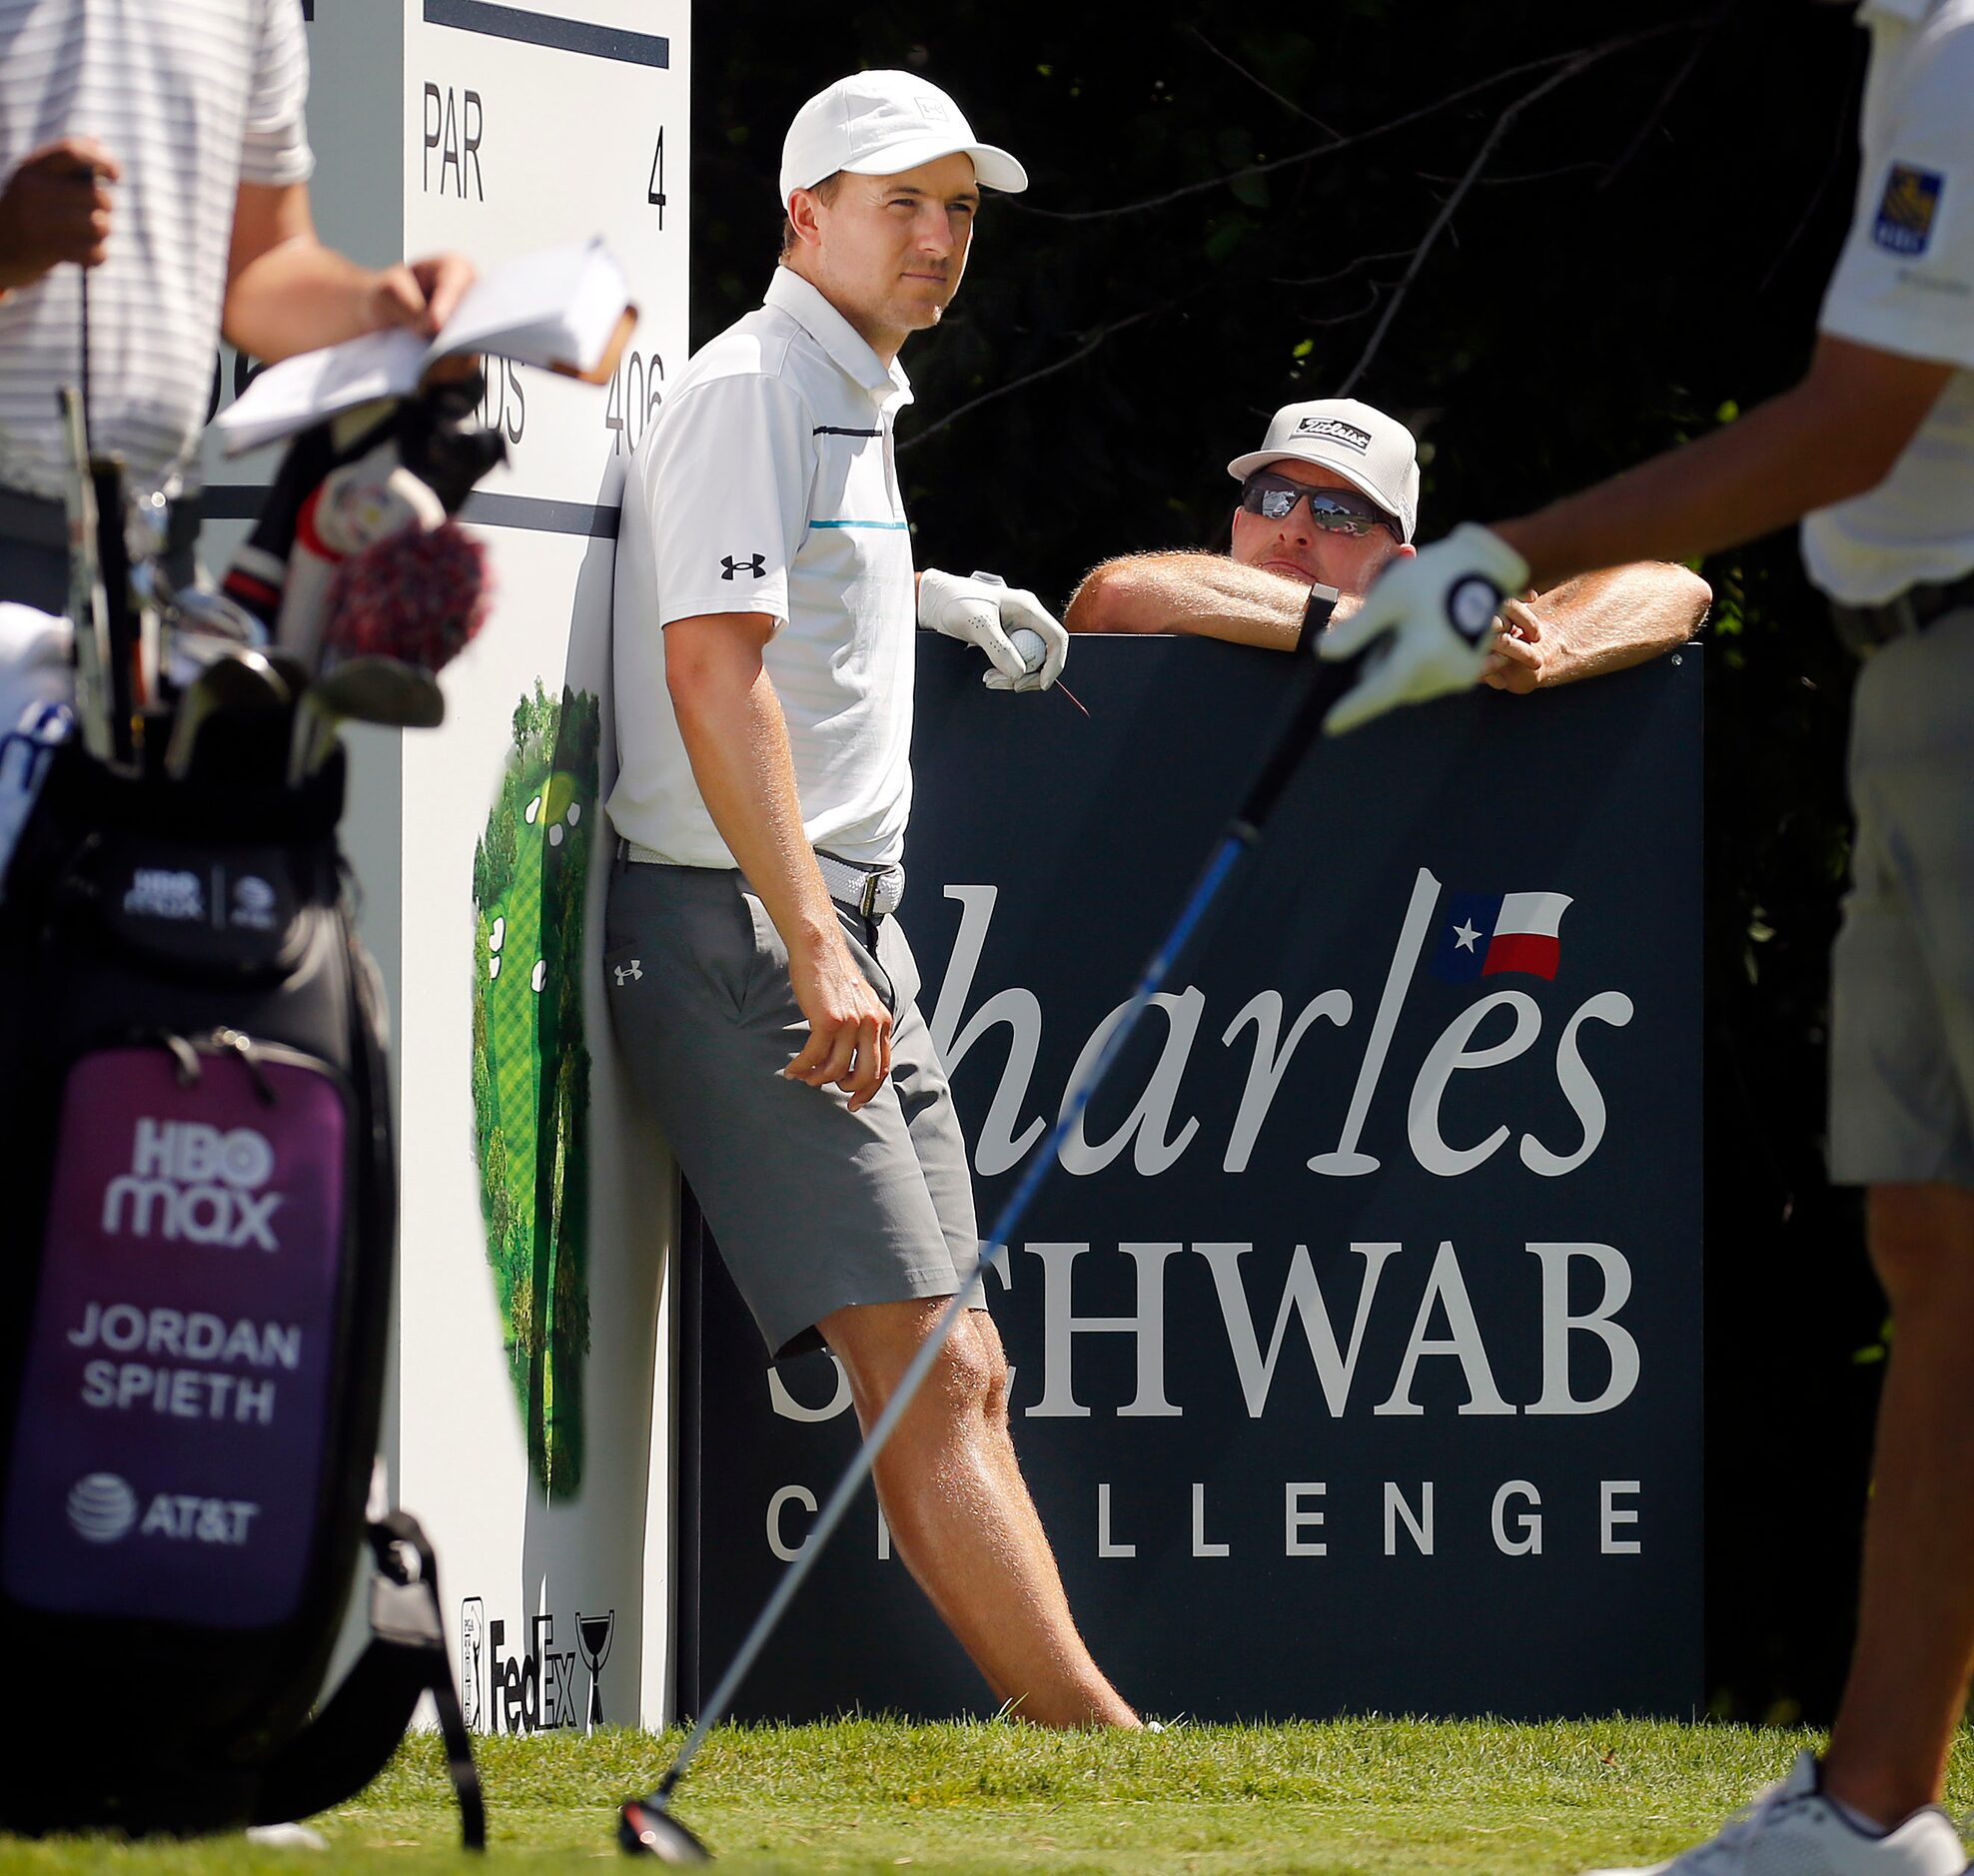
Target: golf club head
643	1829
378	689
190	646
236	679
200	610
294	669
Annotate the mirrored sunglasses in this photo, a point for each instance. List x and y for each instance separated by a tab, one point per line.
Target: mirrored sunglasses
1274	499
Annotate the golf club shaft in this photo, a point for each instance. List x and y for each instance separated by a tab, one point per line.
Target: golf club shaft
1320	686
87	601
88	437
113	564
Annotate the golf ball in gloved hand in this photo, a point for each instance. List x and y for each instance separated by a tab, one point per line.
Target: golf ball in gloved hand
1029	644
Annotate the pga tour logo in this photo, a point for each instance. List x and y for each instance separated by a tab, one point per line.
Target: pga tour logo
102	1509
188	1181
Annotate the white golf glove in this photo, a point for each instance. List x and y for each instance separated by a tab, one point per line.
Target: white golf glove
986	611
1436	615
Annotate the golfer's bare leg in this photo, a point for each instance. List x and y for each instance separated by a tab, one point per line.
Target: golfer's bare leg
1915	1636
961	1516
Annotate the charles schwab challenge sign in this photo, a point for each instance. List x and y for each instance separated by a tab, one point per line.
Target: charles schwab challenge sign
1356	1342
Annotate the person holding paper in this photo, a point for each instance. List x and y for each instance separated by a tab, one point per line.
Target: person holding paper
169	159
564	308
759	982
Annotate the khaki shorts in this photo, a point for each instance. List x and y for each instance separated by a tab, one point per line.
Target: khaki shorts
1902	974
813	1206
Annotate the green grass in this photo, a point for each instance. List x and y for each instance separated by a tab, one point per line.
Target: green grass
877	1796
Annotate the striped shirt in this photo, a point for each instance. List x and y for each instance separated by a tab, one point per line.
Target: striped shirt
191	98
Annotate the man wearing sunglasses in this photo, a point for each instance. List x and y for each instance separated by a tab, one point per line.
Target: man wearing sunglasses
1330	498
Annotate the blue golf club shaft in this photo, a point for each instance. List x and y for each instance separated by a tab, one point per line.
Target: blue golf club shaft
1321	686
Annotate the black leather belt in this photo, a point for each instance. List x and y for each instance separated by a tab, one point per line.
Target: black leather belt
1864	628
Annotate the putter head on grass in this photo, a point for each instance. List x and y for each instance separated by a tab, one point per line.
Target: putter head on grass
645	1830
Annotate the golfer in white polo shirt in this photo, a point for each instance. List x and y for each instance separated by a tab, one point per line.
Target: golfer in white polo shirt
760	987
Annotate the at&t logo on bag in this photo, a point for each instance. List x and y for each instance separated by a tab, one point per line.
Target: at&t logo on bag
103	1509
188	1181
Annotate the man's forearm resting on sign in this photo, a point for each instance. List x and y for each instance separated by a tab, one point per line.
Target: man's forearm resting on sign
1598	622
1602	621
1205	593
1833	435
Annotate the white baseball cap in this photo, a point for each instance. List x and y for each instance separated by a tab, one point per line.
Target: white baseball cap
1369	450
880	124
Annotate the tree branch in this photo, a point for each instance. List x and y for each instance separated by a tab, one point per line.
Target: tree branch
1261	84
1077	356
1572	62
1342	273
1839	145
1489	145
1671	91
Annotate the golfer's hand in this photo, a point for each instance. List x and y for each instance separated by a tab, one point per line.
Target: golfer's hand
56	208
1523	654
423	295
1427	624
849	1044
983	611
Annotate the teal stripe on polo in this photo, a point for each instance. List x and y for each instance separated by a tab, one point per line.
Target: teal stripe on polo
896	524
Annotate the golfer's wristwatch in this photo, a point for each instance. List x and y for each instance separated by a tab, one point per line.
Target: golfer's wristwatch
1316	615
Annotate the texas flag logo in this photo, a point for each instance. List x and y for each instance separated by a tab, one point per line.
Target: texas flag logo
1485	934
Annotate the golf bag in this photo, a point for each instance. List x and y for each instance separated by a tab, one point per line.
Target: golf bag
195	1140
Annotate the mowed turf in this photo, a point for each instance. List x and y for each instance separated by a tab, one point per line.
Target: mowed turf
868	1795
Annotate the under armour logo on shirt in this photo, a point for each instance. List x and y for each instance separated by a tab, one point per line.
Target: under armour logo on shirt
628	973
756	565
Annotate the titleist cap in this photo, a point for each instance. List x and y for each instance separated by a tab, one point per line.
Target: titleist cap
882	123
1369	450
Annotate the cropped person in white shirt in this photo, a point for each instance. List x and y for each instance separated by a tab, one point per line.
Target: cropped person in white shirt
1873	451
162	147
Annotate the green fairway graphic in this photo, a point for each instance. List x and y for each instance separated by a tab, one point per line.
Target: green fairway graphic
530	1070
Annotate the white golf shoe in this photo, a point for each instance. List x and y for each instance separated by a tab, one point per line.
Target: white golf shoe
1792	1829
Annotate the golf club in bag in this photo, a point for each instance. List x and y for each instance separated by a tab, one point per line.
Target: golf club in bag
195	1137
645	1826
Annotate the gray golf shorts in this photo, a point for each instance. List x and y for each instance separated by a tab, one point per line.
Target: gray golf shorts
1902	974
813	1206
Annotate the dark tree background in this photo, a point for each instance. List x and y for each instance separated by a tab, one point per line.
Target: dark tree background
1552	239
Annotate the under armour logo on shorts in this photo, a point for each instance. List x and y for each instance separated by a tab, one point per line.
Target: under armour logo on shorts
628	973
756	565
